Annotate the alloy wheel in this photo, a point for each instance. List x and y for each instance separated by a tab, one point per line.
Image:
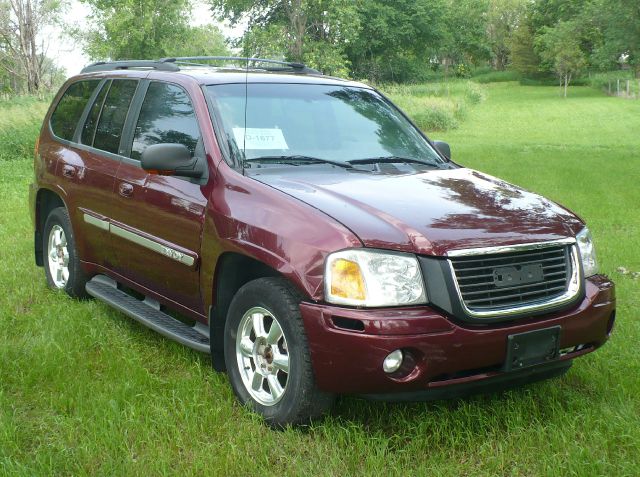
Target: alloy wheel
58	256
262	356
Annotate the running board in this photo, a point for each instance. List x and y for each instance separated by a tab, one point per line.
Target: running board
148	313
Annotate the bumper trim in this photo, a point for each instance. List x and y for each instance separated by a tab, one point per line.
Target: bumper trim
491	384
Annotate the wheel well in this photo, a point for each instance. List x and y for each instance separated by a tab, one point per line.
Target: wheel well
232	272
46	201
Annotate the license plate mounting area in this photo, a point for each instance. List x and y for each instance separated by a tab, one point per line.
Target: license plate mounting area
532	347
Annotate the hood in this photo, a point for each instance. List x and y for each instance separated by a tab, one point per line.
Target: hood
429	212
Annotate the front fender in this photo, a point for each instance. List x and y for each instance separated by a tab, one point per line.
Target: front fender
247	217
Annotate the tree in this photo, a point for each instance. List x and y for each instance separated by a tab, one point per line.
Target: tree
465	40
524	58
22	54
206	40
559	47
126	29
397	39
619	23
310	31
503	19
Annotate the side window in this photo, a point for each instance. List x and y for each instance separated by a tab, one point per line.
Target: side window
89	128
70	107
113	115
166	116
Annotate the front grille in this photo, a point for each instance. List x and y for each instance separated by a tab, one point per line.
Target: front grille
480	290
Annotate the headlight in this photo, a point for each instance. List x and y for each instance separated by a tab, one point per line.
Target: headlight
373	278
587	253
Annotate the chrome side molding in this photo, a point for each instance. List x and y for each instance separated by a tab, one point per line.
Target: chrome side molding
138	239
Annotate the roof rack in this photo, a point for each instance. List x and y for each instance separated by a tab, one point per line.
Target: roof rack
128	64
283	65
173	64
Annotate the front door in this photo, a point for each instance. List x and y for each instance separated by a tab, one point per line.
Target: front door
157	224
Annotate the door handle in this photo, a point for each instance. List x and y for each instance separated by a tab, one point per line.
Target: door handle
126	190
69	172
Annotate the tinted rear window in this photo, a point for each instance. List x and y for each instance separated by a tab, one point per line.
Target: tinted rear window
89	128
68	111
114	113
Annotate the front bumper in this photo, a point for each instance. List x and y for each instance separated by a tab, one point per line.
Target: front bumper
349	345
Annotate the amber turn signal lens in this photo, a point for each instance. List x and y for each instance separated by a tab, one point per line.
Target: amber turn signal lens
346	280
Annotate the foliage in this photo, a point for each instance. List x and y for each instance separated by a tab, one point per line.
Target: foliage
24	65
436	106
559	47
465	38
524	58
503	18
135	29
497	76
205	40
395	39
619	23
20	121
311	31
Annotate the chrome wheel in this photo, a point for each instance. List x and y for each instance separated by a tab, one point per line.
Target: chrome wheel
58	256
262	355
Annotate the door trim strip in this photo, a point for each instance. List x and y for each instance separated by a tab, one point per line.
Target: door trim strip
138	239
95	221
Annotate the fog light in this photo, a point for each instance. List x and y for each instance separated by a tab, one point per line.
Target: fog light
393	361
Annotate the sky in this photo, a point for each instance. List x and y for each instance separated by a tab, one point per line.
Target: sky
68	53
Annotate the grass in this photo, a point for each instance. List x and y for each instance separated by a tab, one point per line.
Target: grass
437	106
20	121
86	391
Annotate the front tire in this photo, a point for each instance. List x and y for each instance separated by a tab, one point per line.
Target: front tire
267	355
61	262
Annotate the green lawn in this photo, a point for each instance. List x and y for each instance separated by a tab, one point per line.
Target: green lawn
86	391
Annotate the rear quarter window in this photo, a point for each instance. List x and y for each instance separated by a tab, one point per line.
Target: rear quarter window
70	107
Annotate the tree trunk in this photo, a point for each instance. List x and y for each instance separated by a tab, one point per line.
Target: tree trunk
22	37
298	23
566	83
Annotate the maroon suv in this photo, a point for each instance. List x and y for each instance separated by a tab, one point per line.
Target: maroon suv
302	230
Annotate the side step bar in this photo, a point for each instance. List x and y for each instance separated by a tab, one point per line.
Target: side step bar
148	313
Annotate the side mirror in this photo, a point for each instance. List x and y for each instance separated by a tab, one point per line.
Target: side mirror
172	159
443	148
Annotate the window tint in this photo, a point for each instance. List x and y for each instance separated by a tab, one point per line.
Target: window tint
68	111
166	116
337	123
114	113
89	128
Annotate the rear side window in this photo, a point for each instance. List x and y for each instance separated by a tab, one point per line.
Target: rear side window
166	116
113	115
89	128
70	107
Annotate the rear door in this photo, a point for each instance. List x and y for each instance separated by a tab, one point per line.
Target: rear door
156	227
98	138
86	178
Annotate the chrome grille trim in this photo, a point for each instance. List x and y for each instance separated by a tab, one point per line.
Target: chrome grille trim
465	252
571	286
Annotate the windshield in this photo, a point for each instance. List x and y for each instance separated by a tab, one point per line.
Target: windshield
318	122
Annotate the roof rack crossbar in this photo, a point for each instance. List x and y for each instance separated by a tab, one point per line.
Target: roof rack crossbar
128	64
299	67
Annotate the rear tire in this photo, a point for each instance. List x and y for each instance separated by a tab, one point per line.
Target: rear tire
59	256
267	355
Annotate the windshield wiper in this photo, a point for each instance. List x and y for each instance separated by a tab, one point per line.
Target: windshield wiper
392	160
299	158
